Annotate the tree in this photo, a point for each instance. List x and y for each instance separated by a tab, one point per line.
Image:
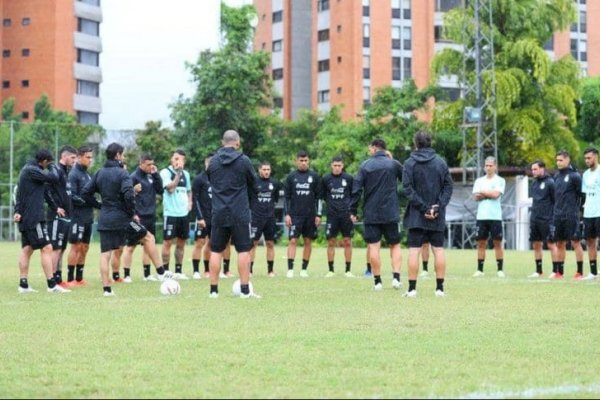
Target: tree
588	128
535	96
155	140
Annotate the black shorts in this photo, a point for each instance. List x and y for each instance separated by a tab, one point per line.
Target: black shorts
488	227
563	230
337	224
202	233
303	226
240	235
80	233
591	228
264	226
417	237
37	237
59	233
176	227
374	232
539	231
112	240
149	222
135	233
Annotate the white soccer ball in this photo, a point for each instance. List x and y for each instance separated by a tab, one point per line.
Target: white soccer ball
236	289
169	287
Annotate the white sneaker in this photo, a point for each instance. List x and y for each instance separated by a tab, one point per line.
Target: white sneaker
28	289
197	276
590	277
303	273
478	274
290	273
330	274
424	274
109	294
213	295
222	275
349	275
166	275
58	289
128	279
378	287
396	283
250	295
535	275
411	294
439	293
150	278
501	274
180	276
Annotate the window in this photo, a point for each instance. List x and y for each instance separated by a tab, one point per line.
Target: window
5	84
88	57
366	11
582	21
574	48
366	67
407	68
323	96
437	33
406	35
323	35
406	14
6	22
277	74
26	21
549	45
88	88
278	102
396	69
25	52
395	8
366	35
5	53
277	46
366	95
25	83
446	5
396	37
583	50
87	118
322	5
323	65
25	115
277	16
92	2
88	27
451	94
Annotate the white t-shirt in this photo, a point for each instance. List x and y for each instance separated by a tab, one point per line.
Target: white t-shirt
590	185
489	209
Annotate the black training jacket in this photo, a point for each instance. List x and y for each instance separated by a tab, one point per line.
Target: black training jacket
302	192
426	181
83	211
336	190
267	196
145	201
115	187
567	193
378	178
30	194
542	193
202	197
231	177
59	193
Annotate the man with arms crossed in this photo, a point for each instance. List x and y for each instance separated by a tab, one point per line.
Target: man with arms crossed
591	209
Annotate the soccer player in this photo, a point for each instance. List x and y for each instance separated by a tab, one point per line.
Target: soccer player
147	184
302	210
378	178
542	193
202	198
60	210
232	179
488	191
118	222
177	203
29	214
428	186
565	219
263	214
82	219
337	193
591	209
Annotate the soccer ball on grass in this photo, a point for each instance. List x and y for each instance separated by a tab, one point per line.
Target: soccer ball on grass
169	287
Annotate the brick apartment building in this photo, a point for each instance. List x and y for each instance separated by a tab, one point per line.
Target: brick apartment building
52	47
330	52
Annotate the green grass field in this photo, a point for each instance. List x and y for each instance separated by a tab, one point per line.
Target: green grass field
312	337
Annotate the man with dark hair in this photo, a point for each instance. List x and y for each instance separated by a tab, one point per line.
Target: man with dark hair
302	210
82	219
591	209
565	218
263	214
542	193
29	214
232	180
202	199
177	203
59	213
428	186
378	178
118	221
147	184
337	194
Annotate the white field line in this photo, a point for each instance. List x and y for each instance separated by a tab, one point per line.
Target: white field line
540	392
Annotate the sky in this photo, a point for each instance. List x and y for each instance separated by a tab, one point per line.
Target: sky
145	46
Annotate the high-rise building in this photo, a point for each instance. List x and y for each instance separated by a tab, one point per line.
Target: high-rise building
52	47
338	52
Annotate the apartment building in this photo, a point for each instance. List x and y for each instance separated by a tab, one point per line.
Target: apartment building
52	47
338	52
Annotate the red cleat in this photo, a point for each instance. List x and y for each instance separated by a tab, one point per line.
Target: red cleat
82	282
578	276
64	284
120	280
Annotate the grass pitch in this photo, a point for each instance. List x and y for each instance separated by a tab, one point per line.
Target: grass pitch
314	337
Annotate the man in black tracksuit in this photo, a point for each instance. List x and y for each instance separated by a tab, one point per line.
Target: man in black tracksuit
202	204
29	214
542	193
337	192
231	177
61	209
567	201
428	186
117	221
147	184
378	178
302	210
